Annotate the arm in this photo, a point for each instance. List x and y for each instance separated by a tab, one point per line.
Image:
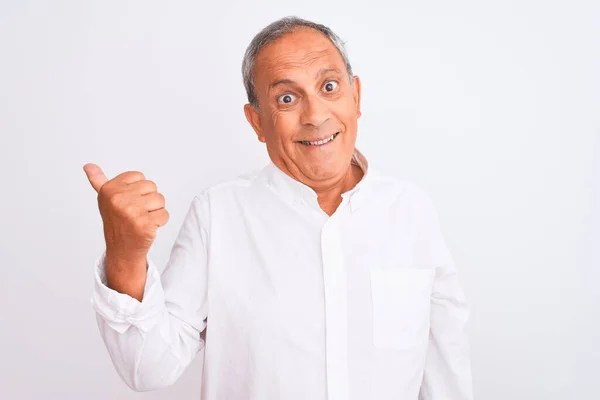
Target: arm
448	368
153	341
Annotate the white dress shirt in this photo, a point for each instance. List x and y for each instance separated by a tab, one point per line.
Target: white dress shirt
295	304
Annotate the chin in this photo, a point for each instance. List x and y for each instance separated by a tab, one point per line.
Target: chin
324	170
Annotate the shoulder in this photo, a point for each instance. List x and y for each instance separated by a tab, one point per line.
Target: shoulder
230	187
408	201
399	189
219	197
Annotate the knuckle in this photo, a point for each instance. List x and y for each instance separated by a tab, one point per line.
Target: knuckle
164	216
138	174
161	217
152	186
130	209
134	176
115	200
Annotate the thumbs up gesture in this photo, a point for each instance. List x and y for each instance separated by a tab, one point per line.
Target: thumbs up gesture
132	210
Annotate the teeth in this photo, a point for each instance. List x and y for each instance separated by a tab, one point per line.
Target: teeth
320	142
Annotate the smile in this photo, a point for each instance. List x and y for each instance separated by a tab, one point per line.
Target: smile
320	142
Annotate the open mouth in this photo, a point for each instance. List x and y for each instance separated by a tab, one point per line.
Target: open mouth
321	142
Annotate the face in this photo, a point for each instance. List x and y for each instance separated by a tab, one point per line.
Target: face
308	107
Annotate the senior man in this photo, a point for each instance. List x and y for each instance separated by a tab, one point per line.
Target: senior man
314	278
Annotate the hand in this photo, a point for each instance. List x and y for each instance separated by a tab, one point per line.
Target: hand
132	210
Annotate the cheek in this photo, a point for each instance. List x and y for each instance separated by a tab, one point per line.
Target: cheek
347	113
284	124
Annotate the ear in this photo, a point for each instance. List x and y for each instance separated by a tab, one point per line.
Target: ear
253	117
356	94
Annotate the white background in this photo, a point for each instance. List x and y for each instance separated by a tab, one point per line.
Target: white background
493	107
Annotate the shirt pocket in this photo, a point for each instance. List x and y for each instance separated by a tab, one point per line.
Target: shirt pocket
401	300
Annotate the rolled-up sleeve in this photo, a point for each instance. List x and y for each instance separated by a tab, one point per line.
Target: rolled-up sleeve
153	341
448	367
120	311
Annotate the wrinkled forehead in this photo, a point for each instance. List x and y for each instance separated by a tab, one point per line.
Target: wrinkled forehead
300	51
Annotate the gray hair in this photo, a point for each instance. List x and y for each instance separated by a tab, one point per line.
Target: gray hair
275	31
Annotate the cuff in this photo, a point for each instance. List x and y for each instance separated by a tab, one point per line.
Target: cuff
119	310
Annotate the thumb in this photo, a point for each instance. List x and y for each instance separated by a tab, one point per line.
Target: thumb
95	176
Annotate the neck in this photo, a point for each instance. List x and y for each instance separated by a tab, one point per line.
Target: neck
330	197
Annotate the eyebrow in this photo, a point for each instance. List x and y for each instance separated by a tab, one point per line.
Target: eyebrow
282	82
321	72
324	71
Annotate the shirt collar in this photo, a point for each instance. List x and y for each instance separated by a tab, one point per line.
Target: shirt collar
299	193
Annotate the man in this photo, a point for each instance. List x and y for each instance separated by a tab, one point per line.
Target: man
315	278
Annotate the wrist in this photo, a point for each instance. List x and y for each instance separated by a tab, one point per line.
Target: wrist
125	257
126	274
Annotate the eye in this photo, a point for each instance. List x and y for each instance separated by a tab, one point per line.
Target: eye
286	98
330	86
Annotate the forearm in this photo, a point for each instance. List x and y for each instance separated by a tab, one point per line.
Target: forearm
126	275
149	344
151	322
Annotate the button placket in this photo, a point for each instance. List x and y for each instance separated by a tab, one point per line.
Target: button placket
334	278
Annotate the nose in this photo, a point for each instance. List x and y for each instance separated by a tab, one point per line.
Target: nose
315	111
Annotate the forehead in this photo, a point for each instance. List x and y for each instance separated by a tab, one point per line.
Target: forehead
303	49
